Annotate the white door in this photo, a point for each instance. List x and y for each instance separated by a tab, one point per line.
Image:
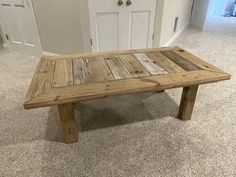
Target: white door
20	26
121	24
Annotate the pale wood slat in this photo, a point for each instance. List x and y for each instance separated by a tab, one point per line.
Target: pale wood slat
91	70
133	66
182	62
117	68
37	85
49	77
166	63
63	74
151	66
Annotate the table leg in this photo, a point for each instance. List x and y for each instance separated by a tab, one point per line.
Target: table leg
68	123
187	102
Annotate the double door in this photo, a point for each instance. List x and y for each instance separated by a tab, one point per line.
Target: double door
19	26
121	24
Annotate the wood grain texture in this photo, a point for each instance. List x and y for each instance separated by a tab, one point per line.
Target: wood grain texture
196	60
179	60
125	86
100	70
68	123
151	66
42	94
63	74
187	102
117	68
93	70
82	71
41	76
133	66
165	62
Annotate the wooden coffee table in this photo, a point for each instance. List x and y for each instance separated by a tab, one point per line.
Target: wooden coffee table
64	80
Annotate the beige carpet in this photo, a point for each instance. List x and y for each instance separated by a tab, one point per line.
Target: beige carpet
133	136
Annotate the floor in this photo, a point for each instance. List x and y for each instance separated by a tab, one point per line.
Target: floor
225	25
135	136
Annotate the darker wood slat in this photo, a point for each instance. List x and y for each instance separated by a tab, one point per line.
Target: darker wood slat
91	70
196	60
165	62
133	66
117	68
179	60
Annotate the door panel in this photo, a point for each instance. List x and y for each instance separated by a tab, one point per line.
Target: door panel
21	27
107	31
139	24
12	25
106	19
24	19
120	27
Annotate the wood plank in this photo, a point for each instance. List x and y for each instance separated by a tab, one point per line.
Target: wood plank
49	76
117	68
196	60
152	67
133	66
100	70
82	72
182	62
63	74
187	102
165	62
87	71
126	86
38	82
68	123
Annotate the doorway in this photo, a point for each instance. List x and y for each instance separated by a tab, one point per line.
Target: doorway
221	16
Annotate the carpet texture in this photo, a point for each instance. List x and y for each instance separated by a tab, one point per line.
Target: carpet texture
134	136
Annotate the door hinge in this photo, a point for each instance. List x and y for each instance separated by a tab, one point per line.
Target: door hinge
6	36
91	41
153	36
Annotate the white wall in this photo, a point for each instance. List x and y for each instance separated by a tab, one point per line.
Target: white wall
85	26
1	36
64	26
2	26
200	10
165	27
59	25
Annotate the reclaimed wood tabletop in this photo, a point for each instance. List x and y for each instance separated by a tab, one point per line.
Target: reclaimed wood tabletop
64	80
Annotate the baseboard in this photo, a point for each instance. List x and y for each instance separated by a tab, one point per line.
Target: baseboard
48	54
176	36
5	45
